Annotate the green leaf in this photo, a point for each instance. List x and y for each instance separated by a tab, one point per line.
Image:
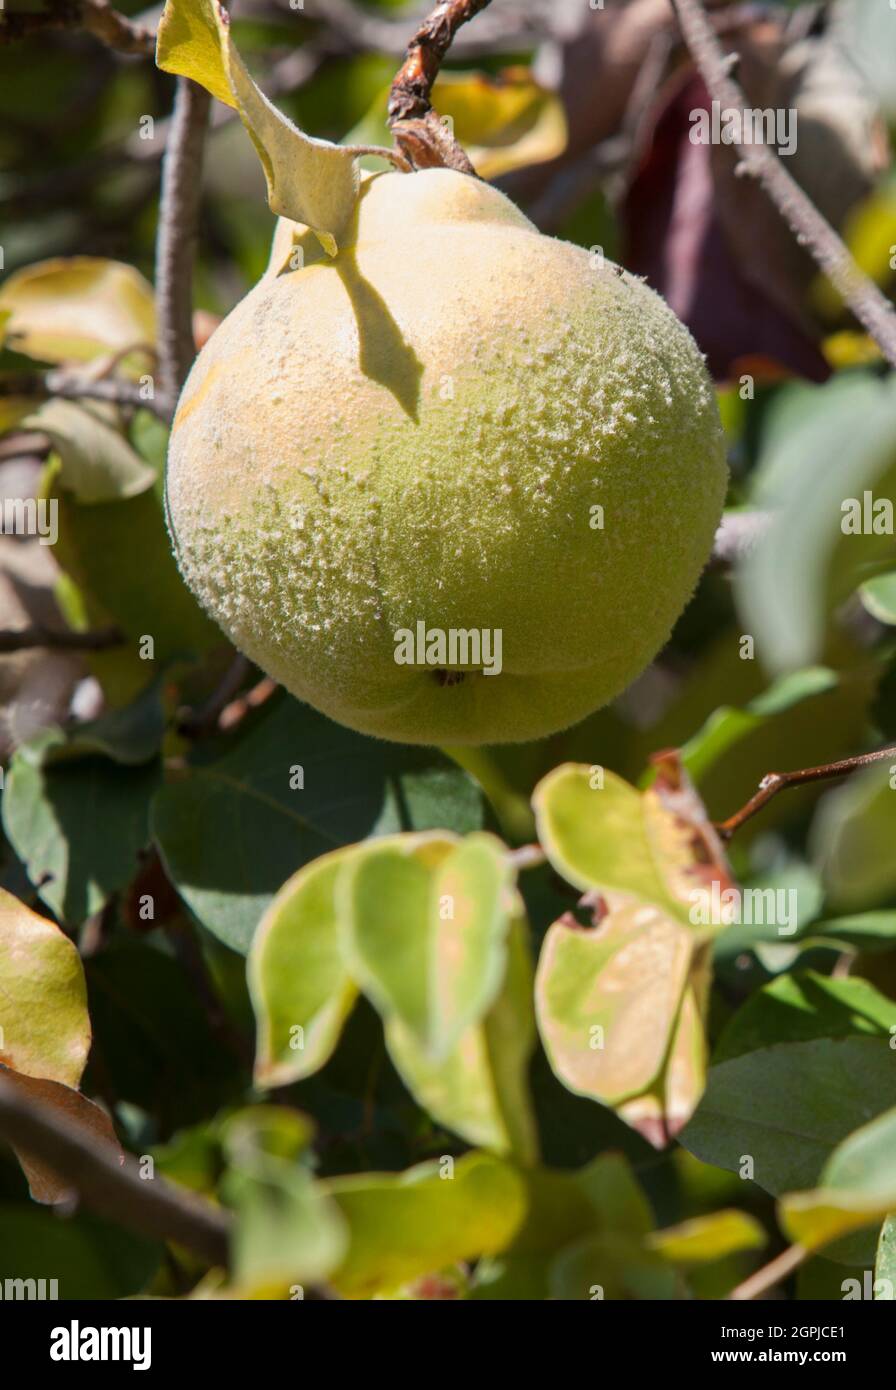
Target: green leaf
232	831
833	444
301	990
72	309
479	1090
602	1199
148	1017
410	1224
706	1238
879	597
96	549
97	464
310	181
727	725
853	837
130	736
287	1230
77	825
89	1258
787	1107
44	1027
610	1266
595	835
863	931
798	1008
856	1188
424	921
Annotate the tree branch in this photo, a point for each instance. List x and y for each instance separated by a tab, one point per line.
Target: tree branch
23	639
774	782
70	387
96	16
152	1206
421	136
870	306
781	1267
176	238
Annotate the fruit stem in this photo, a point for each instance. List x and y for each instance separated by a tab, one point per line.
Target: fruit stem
424	140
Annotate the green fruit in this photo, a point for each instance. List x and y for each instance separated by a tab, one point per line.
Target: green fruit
423	431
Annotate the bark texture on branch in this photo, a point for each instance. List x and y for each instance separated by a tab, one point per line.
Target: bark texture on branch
870	306
151	1206
177	236
422	137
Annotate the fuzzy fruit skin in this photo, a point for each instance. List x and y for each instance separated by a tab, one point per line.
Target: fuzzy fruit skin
418	431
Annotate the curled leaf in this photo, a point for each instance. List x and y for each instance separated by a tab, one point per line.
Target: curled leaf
308	180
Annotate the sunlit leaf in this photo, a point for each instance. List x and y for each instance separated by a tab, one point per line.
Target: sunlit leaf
424	921
287	1231
408	1224
708	1238
852	840
479	1090
503	122
43	1001
797	1008
300	987
76	308
607	1000
856	1188
96	462
309	180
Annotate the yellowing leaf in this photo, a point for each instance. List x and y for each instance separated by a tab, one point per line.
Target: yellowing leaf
856	1188
43	999
607	999
189	42
308	180
408	1224
708	1238
503	122
76	308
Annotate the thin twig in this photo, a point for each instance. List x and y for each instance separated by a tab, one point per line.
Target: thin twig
778	1269
176	238
869	305
96	16
116	1190
419	133
69	386
203	719
774	782
23	639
